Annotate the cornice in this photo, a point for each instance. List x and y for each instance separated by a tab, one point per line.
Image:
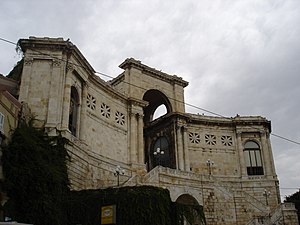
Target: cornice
131	62
137	102
107	87
238	121
250	121
58	44
11	98
117	79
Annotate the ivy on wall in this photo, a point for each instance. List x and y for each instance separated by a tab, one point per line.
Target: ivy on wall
36	182
36	179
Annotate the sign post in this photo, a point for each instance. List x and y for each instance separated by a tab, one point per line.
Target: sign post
108	214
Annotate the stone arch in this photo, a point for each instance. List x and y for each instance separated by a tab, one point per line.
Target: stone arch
189	201
155	98
176	192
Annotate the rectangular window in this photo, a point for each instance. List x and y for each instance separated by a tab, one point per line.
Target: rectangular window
1	122
255	170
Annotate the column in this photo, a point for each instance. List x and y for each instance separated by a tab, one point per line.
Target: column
186	149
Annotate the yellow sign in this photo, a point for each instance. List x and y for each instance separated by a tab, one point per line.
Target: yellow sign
108	214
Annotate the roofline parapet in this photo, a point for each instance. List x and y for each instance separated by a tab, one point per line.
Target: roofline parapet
57	44
131	62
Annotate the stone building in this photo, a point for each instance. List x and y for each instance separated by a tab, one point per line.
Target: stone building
224	164
9	114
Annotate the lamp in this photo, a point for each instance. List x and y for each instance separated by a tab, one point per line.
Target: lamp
209	164
119	172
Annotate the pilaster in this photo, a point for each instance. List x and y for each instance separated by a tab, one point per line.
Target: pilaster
186	149
179	154
266	155
26	77
54	93
141	159
271	158
83	112
133	138
66	99
240	150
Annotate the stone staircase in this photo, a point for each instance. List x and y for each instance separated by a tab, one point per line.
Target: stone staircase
159	174
284	214
152	177
260	206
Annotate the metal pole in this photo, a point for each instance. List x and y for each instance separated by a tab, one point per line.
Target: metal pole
118	172
118	176
266	194
209	163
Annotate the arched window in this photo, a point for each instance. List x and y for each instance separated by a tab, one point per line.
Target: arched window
73	113
161	152
253	159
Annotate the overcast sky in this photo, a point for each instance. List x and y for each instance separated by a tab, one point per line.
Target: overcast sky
239	56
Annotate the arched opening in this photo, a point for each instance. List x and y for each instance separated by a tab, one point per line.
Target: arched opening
191	213
160	111
73	111
156	99
159	139
160	152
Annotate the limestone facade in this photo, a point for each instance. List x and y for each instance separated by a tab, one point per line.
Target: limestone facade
10	109
224	164
9	113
